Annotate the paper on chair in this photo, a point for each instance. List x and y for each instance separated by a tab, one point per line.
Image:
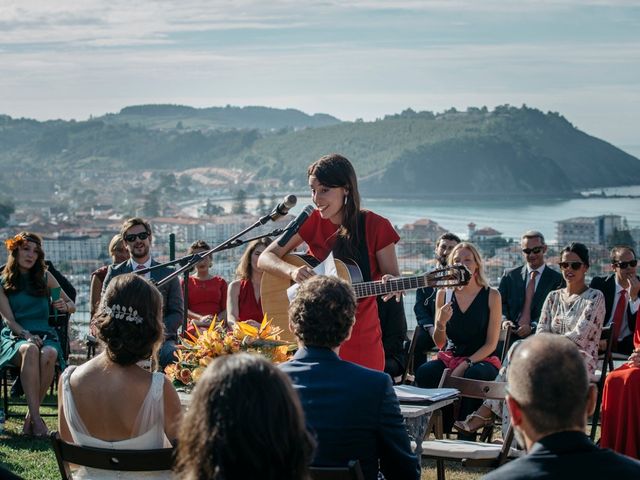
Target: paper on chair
408	393
327	267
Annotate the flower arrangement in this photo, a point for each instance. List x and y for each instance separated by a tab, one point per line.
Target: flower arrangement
13	243
195	352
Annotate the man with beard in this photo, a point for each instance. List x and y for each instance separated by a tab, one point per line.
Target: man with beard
549	400
136	233
425	305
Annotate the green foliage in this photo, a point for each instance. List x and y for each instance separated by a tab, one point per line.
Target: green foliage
239	205
620	237
6	209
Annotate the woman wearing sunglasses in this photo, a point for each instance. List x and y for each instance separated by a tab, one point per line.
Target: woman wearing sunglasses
575	311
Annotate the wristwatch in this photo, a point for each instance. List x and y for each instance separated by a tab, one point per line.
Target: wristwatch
469	362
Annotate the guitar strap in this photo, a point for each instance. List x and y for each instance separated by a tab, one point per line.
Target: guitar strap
362	249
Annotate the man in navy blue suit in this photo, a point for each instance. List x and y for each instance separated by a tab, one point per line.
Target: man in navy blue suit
137	239
352	411
549	400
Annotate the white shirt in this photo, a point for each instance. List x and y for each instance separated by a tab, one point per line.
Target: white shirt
147	264
529	270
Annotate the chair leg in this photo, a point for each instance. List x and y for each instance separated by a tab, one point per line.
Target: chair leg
596	416
440	469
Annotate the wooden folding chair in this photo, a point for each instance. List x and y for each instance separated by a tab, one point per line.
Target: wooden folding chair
108	459
351	472
505	338
476	454
605	358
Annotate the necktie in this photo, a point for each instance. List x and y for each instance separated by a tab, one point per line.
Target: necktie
525	315
140	267
618	315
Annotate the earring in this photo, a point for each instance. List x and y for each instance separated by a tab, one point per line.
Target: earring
346	197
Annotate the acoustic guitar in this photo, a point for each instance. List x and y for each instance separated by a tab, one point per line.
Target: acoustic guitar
273	288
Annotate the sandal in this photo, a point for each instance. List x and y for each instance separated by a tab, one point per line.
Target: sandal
463	425
41	431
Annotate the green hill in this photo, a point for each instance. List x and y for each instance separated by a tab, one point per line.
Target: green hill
477	152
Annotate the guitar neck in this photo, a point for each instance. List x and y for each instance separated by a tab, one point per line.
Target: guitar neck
375	288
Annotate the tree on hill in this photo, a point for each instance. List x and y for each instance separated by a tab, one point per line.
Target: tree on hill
239	205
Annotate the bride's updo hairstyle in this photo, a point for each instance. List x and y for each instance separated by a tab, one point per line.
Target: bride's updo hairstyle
129	319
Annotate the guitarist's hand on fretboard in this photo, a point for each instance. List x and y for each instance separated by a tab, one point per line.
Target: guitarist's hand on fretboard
398	295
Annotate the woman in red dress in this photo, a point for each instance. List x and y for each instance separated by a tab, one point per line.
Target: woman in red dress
621	405
338	225
207	294
243	298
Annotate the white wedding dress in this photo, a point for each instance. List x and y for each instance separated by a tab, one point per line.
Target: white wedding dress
148	431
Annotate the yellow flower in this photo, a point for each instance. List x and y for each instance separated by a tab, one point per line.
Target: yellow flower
197	373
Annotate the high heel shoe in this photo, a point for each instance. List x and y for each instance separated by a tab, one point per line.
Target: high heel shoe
463	425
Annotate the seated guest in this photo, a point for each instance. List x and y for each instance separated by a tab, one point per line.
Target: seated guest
243	298
621	301
425	306
549	399
207	294
244	422
137	409
118	254
353	411
575	312
621	405
26	339
137	236
467	329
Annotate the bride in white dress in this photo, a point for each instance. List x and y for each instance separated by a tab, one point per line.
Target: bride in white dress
111	402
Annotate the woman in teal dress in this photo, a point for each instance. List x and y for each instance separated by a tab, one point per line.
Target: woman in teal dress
26	340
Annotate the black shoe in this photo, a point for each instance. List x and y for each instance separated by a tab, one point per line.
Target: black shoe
16	388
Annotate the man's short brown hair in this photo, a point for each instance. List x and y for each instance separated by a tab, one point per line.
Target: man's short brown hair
132	222
323	312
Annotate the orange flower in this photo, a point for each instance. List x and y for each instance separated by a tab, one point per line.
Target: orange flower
13	243
185	376
171	371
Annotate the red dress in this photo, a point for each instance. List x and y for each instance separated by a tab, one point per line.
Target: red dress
206	297
621	407
365	345
249	308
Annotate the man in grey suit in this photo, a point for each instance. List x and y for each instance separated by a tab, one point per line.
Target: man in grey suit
549	399
136	233
522	299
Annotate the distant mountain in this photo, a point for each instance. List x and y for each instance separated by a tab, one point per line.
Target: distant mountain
507	151
169	117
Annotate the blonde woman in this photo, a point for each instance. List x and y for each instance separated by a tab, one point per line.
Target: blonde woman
467	328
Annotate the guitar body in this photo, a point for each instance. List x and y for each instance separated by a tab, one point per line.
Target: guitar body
273	289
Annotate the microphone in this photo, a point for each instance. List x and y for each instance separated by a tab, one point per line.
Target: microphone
280	210
294	226
283	208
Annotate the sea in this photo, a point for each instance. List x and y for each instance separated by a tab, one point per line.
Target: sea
511	217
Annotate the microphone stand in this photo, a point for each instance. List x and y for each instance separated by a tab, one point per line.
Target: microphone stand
232	242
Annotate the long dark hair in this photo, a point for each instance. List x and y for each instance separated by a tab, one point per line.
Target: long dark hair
245	421
333	171
37	285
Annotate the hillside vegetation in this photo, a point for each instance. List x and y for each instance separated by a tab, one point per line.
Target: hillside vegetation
477	152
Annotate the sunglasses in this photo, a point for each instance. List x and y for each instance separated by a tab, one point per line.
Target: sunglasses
131	237
534	250
631	263
573	265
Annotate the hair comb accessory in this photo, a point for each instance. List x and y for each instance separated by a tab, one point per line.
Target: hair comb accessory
121	312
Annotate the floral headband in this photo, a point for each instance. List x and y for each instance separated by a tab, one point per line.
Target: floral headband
19	240
121	312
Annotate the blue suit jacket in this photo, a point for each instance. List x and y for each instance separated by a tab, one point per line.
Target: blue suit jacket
568	455
512	291
172	303
353	413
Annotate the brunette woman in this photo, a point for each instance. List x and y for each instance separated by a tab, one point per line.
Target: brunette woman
244	422
27	341
207	293
340	226
243	297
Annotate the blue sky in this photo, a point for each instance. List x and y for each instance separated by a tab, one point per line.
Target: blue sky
351	59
